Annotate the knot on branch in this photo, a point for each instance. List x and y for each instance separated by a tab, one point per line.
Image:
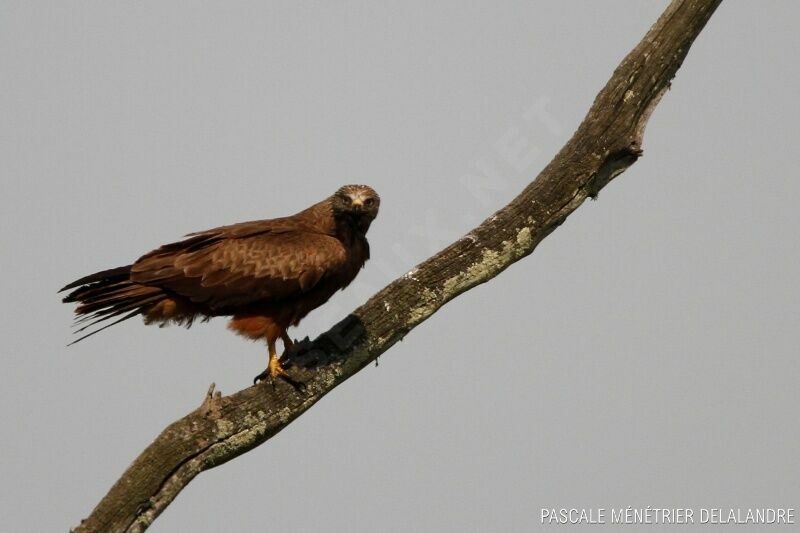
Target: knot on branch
212	403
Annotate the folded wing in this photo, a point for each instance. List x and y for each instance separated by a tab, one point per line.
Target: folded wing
222	271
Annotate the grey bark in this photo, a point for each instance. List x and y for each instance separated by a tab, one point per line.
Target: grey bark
605	144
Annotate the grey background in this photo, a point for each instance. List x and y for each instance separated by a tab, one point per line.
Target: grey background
646	354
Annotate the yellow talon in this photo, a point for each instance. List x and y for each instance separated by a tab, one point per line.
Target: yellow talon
274	366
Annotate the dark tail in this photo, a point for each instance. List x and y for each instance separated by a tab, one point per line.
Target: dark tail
109	294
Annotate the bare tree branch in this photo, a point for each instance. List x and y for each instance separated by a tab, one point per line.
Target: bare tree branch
606	143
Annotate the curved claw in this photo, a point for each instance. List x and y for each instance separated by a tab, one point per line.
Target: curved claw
268	376
261	377
299	386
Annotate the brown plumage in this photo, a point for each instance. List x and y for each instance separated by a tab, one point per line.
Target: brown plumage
266	274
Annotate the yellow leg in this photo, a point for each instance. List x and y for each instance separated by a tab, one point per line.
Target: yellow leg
274	368
274	364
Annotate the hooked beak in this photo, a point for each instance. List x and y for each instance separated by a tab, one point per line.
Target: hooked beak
358	203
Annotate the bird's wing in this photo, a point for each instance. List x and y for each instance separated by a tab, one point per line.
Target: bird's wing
257	227
223	271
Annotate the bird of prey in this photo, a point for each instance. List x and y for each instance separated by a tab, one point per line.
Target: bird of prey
266	274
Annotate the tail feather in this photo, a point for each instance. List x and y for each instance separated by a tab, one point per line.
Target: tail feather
132	293
88	294
118	273
98	330
116	310
109	294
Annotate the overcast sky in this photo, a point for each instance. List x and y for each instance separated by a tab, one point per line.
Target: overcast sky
645	354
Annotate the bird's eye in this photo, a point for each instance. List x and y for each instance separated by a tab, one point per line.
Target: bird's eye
369	202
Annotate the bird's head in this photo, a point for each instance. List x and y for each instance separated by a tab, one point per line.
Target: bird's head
357	204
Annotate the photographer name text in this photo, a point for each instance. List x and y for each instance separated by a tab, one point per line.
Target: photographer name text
660	515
